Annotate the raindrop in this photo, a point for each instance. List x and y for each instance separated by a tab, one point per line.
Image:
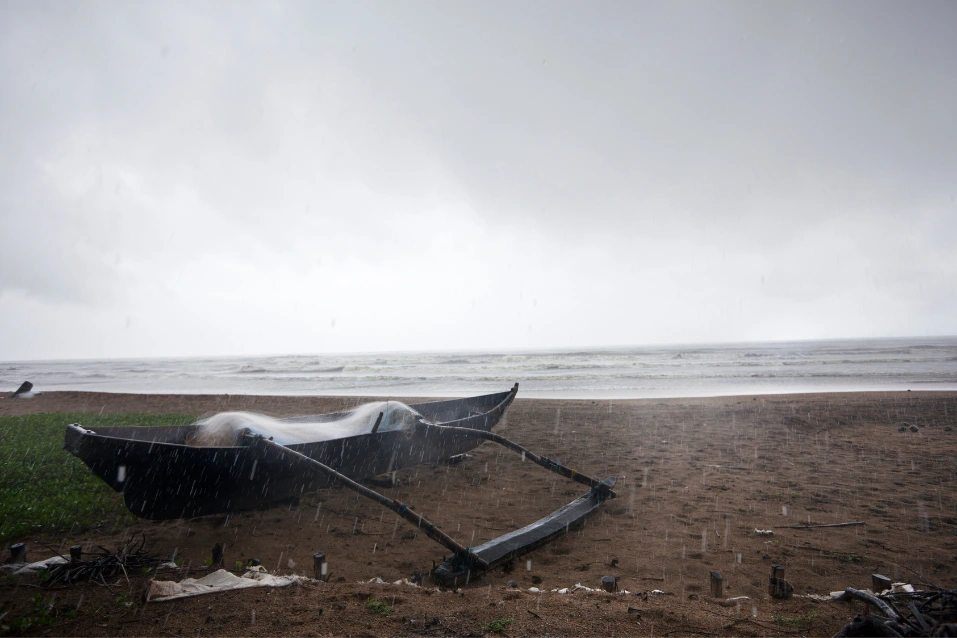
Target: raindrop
924	524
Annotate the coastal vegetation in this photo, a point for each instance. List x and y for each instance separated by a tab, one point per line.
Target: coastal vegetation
44	489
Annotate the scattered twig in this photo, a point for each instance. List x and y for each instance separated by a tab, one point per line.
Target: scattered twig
104	563
818	526
693	630
919	575
737	619
105	584
533	613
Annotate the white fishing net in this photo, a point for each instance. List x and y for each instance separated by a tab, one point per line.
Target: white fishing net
226	428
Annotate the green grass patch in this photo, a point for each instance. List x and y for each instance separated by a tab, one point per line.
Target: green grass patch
797	622
44	488
43	614
497	626
377	606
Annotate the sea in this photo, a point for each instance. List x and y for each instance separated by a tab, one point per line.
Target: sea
609	373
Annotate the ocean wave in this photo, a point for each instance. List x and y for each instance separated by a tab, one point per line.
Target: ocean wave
881	363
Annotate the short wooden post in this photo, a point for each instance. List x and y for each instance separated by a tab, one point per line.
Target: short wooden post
880	583
76	553
320	566
217	554
18	553
777	586
717	585
609	583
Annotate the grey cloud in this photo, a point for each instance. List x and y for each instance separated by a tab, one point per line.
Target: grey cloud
600	151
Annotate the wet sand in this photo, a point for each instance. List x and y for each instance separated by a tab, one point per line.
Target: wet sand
698	476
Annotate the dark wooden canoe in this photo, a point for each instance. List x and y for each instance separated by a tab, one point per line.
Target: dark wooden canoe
163	478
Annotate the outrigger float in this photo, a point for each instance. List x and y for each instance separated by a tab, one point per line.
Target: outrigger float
237	461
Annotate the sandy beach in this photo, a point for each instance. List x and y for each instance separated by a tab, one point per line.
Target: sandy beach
697	478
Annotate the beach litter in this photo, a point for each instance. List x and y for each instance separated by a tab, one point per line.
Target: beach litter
20	569
401	581
219	581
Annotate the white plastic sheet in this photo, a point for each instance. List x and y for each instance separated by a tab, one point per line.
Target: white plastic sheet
219	581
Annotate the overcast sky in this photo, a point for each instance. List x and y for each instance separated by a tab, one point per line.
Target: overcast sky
228	178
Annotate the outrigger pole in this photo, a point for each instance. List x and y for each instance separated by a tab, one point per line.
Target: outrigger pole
548	464
403	510
467	561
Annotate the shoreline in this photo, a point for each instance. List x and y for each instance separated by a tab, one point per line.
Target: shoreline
81	400
714	391
697	476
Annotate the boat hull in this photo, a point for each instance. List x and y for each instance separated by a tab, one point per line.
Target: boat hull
161	478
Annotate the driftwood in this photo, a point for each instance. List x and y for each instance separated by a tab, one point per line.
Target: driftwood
874	600
820	526
905	613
